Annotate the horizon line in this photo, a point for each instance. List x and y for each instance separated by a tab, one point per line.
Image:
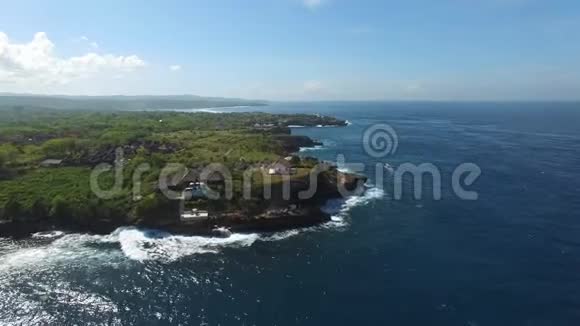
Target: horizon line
267	101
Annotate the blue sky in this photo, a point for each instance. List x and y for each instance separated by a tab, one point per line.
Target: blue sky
295	49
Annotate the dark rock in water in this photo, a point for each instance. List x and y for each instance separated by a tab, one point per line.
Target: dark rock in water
221	232
275	220
291	143
331	183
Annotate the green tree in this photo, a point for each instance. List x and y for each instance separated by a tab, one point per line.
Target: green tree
3	160
60	209
39	209
8	153
59	147
146	206
13	209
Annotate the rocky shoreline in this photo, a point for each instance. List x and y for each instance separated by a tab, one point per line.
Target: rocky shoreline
287	216
276	219
280	216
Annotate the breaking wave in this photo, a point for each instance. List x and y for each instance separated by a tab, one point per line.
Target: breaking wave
142	245
326	144
71	249
340	208
47	235
56	247
161	246
311	149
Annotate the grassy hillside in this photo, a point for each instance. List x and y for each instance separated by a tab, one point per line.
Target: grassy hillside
83	139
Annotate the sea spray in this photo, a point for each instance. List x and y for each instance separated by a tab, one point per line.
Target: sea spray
311	149
137	246
43	252
141	246
56	247
47	235
326	144
338	209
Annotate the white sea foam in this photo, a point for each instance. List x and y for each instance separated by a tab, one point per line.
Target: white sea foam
326	144
281	235
340	208
137	245
370	194
146	245
311	149
69	248
154	245
317	126
48	235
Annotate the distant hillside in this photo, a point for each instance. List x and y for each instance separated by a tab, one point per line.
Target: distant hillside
121	102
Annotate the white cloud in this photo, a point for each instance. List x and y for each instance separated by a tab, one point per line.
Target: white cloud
313	86
86	40
313	4
35	62
175	68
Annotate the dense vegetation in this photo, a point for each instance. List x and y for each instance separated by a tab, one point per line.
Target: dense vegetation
83	139
102	103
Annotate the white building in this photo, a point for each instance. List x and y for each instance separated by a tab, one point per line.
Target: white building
279	168
194	215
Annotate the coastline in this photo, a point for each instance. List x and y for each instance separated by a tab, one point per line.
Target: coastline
277	218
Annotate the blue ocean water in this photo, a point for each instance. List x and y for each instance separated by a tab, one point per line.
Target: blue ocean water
512	257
